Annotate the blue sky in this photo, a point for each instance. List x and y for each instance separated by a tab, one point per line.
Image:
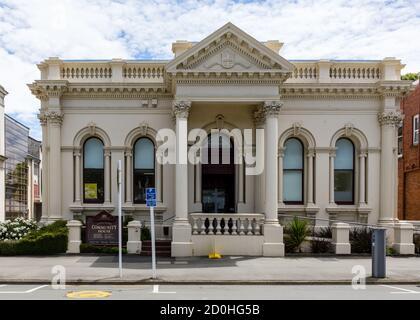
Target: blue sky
32	30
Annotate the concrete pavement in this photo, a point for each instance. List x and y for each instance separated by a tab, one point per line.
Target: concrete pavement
209	292
229	270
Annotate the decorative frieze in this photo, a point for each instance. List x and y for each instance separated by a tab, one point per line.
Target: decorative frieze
181	109
390	118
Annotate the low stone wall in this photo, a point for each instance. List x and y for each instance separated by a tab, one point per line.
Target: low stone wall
227	245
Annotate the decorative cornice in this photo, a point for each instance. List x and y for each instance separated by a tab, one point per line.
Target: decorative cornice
181	109
390	118
47	89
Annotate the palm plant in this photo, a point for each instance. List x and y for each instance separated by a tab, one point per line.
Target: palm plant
296	232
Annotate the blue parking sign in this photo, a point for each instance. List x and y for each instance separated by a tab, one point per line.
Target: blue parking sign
151	197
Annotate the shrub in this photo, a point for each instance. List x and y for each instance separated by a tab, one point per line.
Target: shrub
145	234
361	240
88	248
296	232
324	232
48	240
417	242
321	245
16	229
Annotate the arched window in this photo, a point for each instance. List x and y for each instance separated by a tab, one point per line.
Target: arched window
293	167
93	171
144	169
344	172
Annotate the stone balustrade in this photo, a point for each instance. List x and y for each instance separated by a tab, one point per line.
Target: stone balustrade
137	71
227	224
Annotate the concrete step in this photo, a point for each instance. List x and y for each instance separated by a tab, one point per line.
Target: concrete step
163	248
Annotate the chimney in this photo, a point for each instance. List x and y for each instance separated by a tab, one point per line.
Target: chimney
274	45
180	46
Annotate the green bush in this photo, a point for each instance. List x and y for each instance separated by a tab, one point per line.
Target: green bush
48	240
324	232
417	243
321	245
145	234
89	248
295	233
361	240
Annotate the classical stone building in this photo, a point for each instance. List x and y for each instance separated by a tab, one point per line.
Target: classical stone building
330	140
409	159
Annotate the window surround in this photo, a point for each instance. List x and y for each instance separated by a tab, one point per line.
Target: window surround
360	166
309	147
90	131
416	126
142	131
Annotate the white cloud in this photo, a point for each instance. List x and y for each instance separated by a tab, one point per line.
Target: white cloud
31	31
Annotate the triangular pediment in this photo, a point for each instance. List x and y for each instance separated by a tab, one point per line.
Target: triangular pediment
229	49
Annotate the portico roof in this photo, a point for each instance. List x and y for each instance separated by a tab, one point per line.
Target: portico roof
229	48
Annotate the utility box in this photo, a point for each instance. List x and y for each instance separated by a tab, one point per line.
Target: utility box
379	253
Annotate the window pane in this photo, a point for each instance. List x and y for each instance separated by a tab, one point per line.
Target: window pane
144	154
293	154
292	186
93	185
94	154
345	155
142	179
343	186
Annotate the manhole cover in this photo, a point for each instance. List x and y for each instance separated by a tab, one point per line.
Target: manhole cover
88	294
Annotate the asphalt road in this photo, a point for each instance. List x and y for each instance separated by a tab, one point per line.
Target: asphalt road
209	292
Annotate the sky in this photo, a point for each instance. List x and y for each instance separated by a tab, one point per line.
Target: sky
33	30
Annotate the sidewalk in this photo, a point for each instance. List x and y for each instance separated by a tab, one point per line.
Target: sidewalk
229	270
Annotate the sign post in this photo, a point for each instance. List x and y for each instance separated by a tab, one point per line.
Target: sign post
119	175
151	203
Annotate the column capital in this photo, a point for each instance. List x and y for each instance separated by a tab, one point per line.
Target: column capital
271	108
181	109
363	154
52	117
333	152
311	153
128	152
390	118
77	152
107	152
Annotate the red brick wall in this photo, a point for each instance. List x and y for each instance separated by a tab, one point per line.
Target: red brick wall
409	164
412	195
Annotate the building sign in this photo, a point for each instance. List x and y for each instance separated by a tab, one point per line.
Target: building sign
102	229
91	191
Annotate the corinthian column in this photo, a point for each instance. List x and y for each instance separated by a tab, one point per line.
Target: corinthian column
55	120
181	240
388	193
273	232
45	168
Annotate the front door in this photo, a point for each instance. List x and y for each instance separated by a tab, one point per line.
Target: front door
218	176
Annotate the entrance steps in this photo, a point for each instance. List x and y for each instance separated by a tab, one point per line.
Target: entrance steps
163	248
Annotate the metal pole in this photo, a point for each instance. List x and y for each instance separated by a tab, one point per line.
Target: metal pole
120	220
152	231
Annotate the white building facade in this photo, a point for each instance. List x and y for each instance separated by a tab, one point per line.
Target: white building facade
329	138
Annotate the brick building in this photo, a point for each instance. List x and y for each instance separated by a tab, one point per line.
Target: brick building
409	158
